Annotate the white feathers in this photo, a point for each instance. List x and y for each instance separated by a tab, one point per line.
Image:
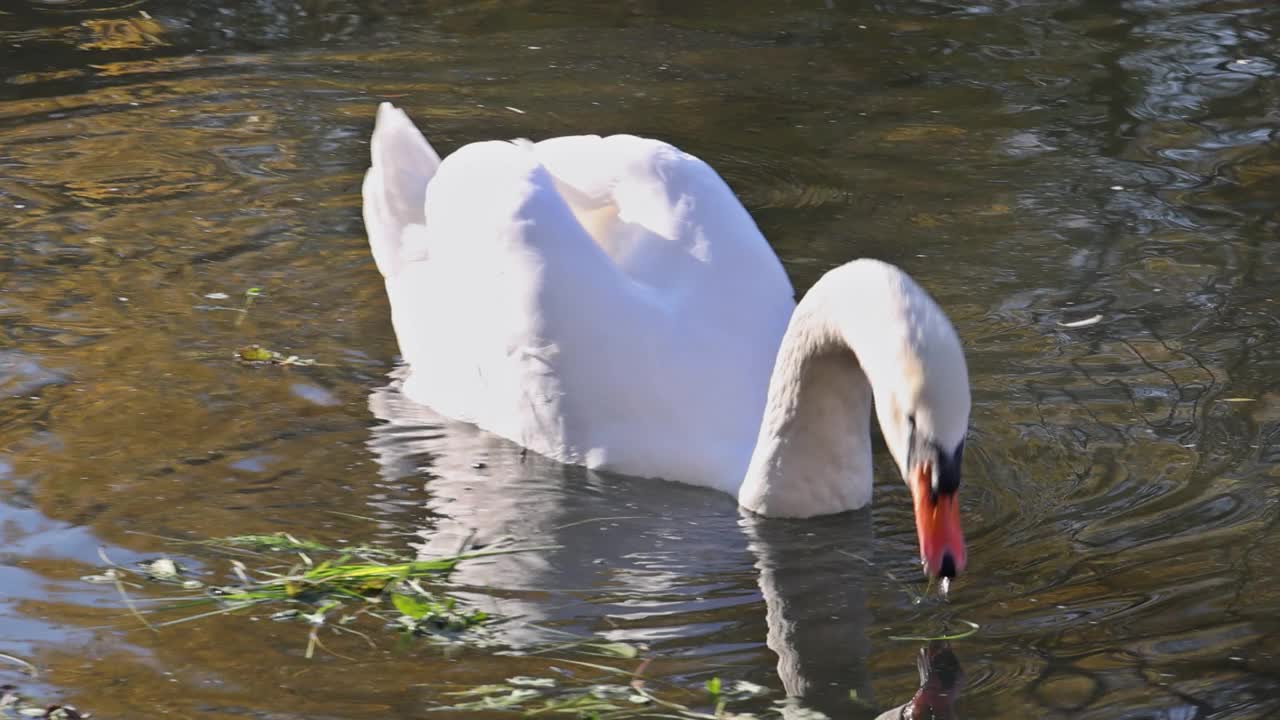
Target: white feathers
608	301
402	163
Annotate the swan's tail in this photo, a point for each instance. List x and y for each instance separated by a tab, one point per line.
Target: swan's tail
395	189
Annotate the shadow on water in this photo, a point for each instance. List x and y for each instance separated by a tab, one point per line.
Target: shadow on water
1090	188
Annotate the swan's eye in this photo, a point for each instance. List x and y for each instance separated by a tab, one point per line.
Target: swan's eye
947	477
911	438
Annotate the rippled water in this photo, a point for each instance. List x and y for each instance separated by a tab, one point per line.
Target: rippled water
1034	163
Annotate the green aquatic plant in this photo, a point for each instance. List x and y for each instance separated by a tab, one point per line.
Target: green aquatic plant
250	295
320	586
334	589
258	355
632	696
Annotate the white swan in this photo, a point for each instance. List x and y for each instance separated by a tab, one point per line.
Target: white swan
608	302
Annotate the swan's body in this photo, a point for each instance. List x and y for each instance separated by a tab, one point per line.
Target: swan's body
608	302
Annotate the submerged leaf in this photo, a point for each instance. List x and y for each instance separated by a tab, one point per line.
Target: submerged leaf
526	681
616	649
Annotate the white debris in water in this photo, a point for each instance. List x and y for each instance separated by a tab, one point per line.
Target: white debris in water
1117	187
514	110
944	587
1094	320
217	296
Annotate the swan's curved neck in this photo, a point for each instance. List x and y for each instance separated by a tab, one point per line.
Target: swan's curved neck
852	339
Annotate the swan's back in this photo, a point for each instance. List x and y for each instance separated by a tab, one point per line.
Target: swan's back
602	301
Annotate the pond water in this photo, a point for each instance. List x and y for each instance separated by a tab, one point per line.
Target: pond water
1034	163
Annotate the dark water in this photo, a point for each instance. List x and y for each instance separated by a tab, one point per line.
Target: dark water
1034	163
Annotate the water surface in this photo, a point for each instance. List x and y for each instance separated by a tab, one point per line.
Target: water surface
1034	164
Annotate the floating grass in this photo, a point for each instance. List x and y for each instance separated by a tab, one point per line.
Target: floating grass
322	586
636	697
331	589
614	684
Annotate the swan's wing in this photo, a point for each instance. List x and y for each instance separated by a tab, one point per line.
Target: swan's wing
603	301
669	222
516	320
665	218
403	162
503	305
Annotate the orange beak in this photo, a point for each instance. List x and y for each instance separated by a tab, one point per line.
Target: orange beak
937	526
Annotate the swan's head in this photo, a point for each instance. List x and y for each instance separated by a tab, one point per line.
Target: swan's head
922	403
931	468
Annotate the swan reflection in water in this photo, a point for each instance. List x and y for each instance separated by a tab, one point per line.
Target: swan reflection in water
941	680
650	562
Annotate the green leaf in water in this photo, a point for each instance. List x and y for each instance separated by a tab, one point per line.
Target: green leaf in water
255	353
259	354
411	606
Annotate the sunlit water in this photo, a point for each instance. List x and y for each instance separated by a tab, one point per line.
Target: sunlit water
1034	164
